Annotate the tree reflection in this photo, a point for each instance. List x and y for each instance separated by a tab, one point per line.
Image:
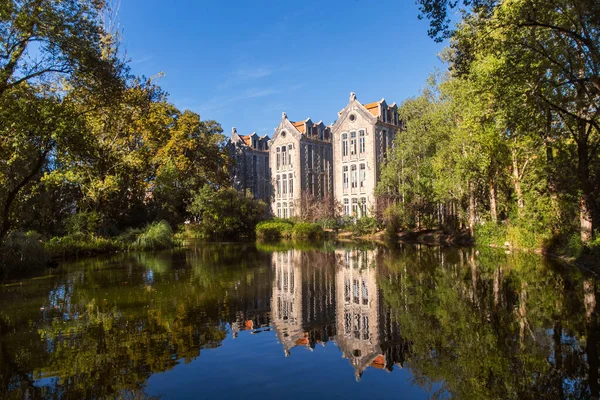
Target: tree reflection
467	323
494	326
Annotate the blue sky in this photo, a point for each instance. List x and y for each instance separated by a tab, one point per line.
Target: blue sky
242	63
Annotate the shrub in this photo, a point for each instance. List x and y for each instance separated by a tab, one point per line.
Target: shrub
22	250
490	233
81	244
225	213
274	229
157	235
85	222
365	226
307	230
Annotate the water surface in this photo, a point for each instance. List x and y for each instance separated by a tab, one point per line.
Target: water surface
314	321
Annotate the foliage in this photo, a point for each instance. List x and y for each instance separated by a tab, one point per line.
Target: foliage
225	213
274	229
365	226
80	244
22	250
157	235
307	231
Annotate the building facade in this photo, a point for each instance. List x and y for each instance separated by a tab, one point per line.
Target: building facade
301	164
304	159
250	170
362	138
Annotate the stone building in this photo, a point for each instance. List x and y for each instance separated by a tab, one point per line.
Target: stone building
250	169
301	164
362	137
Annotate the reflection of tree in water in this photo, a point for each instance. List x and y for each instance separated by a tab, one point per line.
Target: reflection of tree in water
485	326
495	326
106	328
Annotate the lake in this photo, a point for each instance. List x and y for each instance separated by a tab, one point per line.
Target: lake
225	320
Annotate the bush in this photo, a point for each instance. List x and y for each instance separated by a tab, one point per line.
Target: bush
157	235
225	213
307	230
365	226
490	233
85	222
274	229
81	244
22	250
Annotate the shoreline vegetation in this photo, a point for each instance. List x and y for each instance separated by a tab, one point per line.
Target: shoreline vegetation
503	146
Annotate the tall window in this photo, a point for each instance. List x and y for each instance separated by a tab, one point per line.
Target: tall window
344	144
291	209
352	142
345	177
283	156
278	210
278	186
363	206
291	184
278	159
266	166
355	207
361	142
310	156
346	207
284	185
322	158
285	211
354	177
290	155
385	143
362	176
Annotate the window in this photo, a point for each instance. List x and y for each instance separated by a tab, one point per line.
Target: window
363	176
322	158
361	142
363	206
278	158
254	169
266	167
345	177
310	156
355	207
352	142
284	185
285	210
344	144
278	187
311	183
385	143
291	209
283	156
291	184
355	291
346	207
278	210
354	177
290	155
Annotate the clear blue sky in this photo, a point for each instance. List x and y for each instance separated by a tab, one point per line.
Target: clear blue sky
242	63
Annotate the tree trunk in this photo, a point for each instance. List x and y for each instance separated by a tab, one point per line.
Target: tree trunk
586	212
493	202
517	181
471	207
12	195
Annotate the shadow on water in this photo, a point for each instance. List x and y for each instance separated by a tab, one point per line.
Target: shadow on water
464	323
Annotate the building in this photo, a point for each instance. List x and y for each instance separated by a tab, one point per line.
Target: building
250	170
301	164
362	138
307	159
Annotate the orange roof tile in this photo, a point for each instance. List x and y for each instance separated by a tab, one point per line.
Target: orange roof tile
373	108
247	139
378	362
300	126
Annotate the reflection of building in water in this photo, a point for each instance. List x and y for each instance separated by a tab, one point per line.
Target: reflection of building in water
303	300
286	301
250	304
319	296
365	333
